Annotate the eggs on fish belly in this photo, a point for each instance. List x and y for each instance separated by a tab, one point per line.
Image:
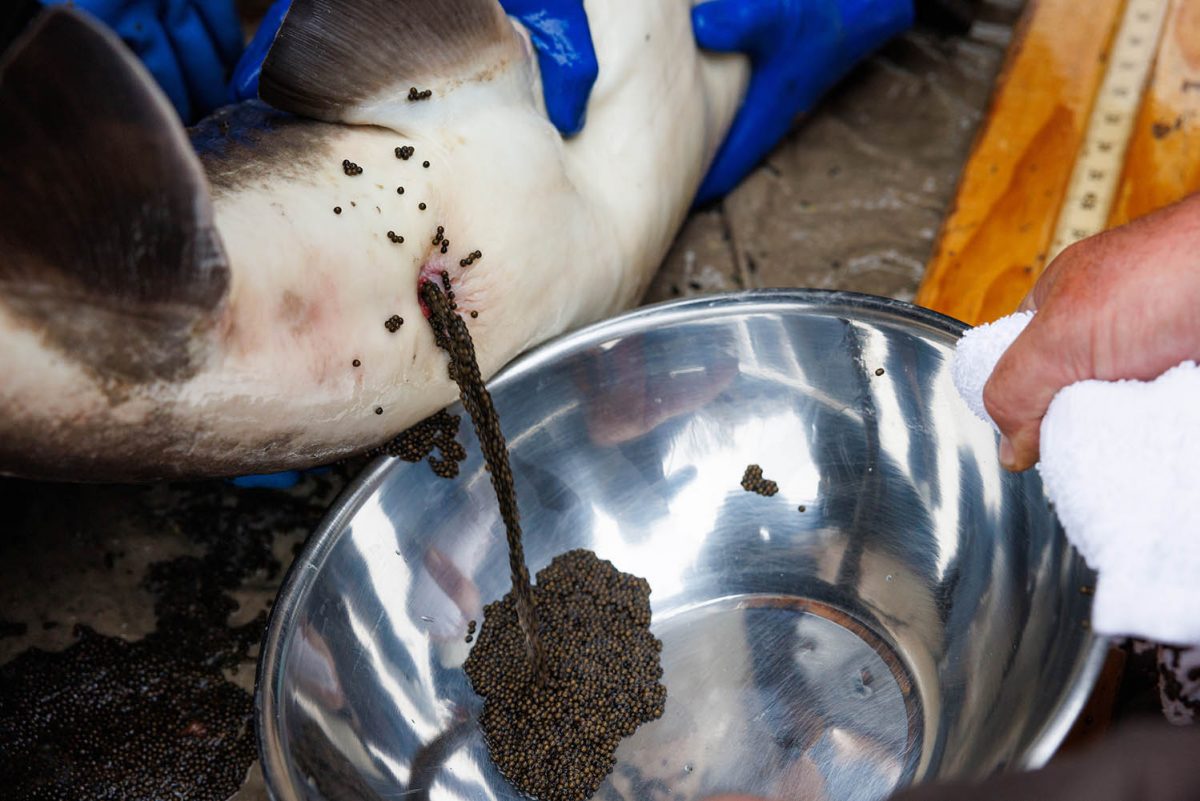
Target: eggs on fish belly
246	301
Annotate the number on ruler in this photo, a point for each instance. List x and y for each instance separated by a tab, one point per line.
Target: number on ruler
1091	187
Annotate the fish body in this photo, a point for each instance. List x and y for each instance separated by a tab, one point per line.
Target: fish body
225	301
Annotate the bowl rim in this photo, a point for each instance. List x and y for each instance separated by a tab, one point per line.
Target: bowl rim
297	578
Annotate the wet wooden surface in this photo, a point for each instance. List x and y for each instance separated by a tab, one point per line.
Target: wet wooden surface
993	244
1163	162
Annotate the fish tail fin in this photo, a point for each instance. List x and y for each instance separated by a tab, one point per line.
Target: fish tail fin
374	61
107	242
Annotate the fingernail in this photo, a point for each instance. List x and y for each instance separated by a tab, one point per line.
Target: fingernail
1008	456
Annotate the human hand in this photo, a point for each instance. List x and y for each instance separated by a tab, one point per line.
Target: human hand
1121	305
559	32
798	49
189	46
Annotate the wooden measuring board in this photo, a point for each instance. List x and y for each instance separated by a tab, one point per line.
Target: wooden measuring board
1095	120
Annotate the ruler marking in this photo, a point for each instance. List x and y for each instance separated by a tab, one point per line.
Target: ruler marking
1093	183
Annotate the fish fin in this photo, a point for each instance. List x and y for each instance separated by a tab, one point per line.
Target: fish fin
107	240
334	59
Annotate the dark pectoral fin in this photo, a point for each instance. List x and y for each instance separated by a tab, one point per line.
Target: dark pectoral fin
331	56
105	216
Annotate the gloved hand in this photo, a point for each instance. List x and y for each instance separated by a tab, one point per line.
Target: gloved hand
559	31
798	49
189	46
560	34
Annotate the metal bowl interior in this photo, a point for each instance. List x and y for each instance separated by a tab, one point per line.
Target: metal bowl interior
902	609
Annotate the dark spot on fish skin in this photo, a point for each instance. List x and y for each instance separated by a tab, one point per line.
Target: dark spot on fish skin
296	313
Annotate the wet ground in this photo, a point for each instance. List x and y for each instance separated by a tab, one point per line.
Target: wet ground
130	616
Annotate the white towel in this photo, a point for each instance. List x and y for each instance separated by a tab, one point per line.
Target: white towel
1121	462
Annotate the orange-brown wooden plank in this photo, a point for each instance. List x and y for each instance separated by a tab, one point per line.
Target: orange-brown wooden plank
1163	162
993	244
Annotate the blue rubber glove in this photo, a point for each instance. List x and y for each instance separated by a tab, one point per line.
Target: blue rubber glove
189	46
284	480
560	34
559	31
244	85
798	49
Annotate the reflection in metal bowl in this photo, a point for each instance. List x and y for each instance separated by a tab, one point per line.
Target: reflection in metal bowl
902	609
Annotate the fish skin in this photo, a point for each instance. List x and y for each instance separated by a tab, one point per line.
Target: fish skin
571	231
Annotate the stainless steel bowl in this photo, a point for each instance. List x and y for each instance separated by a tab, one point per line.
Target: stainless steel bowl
902	609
